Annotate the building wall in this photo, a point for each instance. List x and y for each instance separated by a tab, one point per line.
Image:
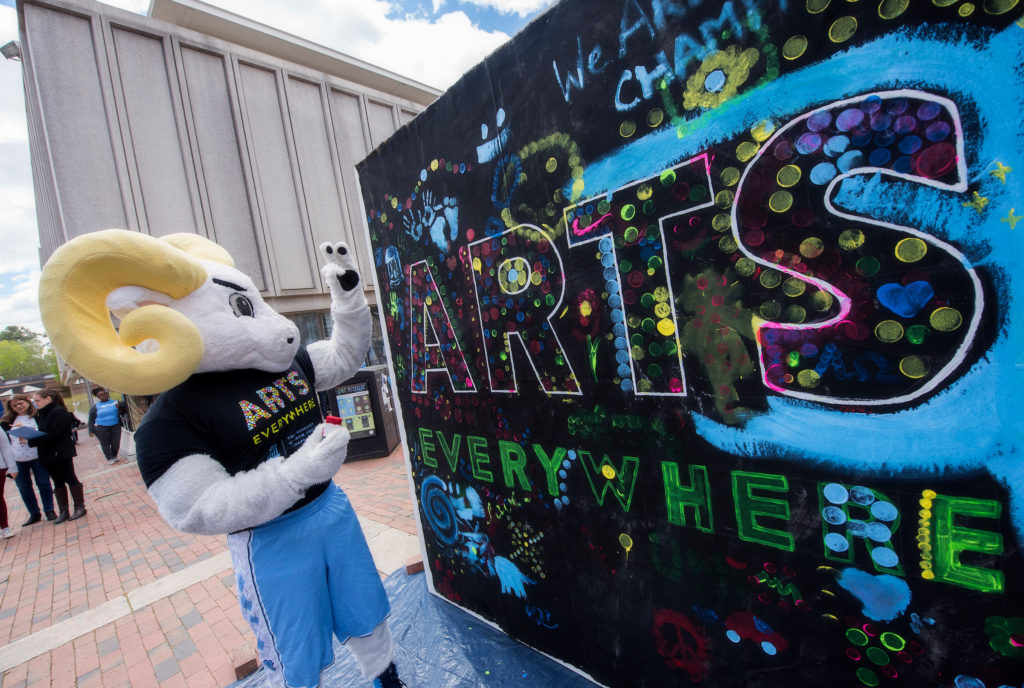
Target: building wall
143	125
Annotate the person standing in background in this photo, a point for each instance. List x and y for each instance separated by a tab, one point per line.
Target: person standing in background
21	413
8	467
105	423
57	451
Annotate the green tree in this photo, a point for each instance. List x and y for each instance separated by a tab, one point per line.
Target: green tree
17	333
24	352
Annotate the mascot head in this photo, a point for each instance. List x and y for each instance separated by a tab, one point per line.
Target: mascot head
183	306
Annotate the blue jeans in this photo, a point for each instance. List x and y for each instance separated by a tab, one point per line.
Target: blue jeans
26	469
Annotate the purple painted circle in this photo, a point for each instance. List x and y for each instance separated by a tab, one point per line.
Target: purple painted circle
937	131
928	111
819	121
880	121
871	103
860	138
898	106
808	143
783	150
848	119
904	125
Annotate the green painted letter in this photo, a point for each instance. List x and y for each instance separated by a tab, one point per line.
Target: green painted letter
950	540
749	507
696	496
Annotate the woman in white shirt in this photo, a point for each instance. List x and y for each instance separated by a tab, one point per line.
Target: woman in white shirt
20	412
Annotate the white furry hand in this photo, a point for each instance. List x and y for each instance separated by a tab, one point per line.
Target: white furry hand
341	273
318	459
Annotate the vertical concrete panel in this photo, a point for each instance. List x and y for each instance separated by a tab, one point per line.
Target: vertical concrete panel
382	121
74	117
272	169
348	132
321	183
405	116
220	160
154	133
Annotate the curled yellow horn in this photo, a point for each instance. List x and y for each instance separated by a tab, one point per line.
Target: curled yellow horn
200	247
72	301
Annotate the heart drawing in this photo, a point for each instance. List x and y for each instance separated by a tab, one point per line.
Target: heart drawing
905	301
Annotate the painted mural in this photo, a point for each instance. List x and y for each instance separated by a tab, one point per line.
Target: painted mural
703	323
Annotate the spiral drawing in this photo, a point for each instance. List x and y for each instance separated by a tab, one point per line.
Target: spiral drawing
438	509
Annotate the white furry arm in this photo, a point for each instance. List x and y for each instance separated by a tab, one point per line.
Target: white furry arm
197	495
338	358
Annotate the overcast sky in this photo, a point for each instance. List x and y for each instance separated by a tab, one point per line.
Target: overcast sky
432	41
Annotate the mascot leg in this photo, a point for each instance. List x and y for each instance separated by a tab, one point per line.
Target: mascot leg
375	653
303	577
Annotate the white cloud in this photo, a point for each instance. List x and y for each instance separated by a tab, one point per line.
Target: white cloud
435	52
20	305
19	259
520	7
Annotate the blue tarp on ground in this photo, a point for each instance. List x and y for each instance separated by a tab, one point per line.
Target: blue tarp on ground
439	646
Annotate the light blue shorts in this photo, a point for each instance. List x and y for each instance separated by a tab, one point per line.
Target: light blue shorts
303	577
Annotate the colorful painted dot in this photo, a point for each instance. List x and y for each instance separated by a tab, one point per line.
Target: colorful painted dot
842	29
851	239
857	637
788	176
888	331
794	47
911	249
945	319
746	150
914	367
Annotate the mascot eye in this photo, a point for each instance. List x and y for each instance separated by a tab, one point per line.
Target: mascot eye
241	306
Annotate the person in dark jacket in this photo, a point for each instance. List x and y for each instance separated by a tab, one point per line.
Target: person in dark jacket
57	451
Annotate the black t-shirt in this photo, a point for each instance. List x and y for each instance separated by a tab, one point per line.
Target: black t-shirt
239	417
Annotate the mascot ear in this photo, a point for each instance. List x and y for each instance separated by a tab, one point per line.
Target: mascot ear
124	300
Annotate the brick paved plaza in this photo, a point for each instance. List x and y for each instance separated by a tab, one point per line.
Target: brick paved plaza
118	599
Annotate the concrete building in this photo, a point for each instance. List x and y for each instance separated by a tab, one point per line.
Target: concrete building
194	119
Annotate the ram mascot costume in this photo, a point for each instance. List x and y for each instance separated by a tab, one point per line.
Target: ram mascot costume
234	443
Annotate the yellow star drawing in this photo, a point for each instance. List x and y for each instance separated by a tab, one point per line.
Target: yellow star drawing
978	203
1000	171
1011	219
